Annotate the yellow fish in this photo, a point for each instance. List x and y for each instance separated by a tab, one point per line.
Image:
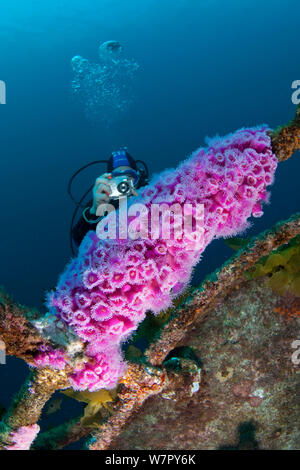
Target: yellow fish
95	401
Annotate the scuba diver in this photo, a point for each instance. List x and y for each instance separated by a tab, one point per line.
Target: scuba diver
124	176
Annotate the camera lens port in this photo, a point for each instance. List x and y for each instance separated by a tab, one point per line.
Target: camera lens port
123	187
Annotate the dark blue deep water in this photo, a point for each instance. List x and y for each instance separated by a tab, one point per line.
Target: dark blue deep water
206	67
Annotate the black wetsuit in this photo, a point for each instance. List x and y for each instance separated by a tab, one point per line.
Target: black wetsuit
83	227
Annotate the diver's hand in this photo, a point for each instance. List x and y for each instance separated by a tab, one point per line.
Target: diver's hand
101	192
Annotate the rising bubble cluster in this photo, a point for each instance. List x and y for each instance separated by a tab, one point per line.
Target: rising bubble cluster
105	89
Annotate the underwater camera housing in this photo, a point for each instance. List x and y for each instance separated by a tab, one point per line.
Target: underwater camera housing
124	174
121	185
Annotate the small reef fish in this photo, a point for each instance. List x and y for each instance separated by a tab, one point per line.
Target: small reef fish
236	243
53	407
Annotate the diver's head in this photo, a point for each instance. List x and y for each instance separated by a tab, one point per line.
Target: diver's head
121	158
122	163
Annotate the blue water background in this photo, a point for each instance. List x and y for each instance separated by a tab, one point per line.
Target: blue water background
207	67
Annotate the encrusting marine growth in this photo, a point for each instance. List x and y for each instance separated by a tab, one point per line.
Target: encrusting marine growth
104	293
283	268
23	437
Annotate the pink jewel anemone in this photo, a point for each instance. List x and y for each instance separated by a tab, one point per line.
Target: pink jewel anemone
105	292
